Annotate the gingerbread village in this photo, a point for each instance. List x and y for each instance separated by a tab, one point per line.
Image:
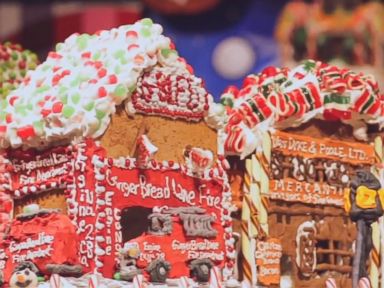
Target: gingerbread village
119	170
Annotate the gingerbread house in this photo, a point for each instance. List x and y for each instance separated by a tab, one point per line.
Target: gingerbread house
302	133
110	130
345	32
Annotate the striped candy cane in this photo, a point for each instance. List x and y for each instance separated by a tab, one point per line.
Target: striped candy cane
183	282
93	282
374	273
55	281
330	283
215	279
364	283
138	281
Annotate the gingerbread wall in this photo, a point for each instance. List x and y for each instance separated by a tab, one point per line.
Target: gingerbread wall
170	136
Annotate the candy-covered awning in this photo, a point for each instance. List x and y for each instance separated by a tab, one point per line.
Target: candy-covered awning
76	89
283	98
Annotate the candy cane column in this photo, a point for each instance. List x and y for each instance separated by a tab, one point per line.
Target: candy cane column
254	209
377	253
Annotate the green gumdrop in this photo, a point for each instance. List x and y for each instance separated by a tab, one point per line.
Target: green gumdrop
75	98
117	276
40	279
68	111
145	32
75	82
89	106
147	22
120	91
100	114
21	110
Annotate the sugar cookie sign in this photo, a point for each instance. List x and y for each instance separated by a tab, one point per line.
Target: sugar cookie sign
267	256
314	171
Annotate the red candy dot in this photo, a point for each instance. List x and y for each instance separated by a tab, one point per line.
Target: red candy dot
86	55
112	79
132	46
8	118
13	99
57	107
131	34
101	73
102	92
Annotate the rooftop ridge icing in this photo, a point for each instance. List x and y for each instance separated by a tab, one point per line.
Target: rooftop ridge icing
283	97
76	89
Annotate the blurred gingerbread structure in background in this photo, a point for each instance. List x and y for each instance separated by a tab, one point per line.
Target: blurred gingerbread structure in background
347	32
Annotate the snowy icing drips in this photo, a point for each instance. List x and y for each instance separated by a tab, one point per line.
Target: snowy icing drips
74	92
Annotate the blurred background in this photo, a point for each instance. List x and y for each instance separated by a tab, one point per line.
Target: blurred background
224	40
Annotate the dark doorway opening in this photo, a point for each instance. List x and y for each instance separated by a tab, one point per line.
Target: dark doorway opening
134	222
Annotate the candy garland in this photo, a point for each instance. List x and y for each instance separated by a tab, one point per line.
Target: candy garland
216	173
285	98
87	76
14	64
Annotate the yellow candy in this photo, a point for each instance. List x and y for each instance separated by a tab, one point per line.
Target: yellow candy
366	198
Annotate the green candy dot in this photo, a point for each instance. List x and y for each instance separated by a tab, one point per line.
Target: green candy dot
145	32
117	70
147	22
96	56
120	90
100	114
117	276
59	46
30	106
42	89
68	111
38	125
75	98
45	67
2	116
64	98
132	88
82	41
119	54
40	279
166	52
89	106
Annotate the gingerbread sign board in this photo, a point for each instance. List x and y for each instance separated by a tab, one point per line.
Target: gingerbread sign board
267	256
185	214
314	171
33	172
